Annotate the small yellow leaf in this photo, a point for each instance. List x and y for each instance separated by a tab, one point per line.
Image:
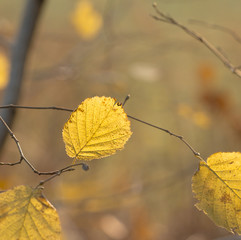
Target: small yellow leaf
26	214
86	20
199	118
4	69
96	129
217	186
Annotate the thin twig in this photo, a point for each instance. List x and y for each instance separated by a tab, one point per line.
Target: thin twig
126	99
23	158
85	167
164	18
217	27
41	183
196	154
37	108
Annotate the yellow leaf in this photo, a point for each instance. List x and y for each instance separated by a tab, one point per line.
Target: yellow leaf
201	119
96	129
217	186
185	110
4	69
26	214
86	20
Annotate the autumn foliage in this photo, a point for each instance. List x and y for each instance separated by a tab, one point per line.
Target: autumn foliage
99	127
96	129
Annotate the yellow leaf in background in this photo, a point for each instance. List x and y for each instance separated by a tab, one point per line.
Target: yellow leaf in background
200	118
96	129
26	214
86	20
217	186
4	69
184	110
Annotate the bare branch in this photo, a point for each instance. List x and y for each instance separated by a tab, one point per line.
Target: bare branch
196	154
41	183
126	99
85	167
164	18
217	27
37	108
23	158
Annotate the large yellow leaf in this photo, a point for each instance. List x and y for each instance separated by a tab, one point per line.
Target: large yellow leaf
26	214
96	129
217	186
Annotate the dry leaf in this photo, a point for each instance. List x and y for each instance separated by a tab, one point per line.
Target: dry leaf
96	129
26	214
217	186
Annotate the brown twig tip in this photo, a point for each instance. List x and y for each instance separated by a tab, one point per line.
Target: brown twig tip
126	99
154	4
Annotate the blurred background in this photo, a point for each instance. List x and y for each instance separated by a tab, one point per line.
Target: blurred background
114	48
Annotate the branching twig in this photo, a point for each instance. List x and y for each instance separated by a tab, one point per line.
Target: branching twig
37	108
53	176
196	154
23	158
164	18
218	27
57	173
